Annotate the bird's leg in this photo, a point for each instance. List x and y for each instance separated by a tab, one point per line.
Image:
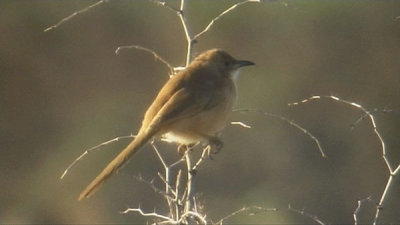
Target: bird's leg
216	144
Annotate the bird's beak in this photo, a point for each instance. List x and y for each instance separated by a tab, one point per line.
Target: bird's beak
241	63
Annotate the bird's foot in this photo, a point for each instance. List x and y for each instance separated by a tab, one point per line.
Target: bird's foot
182	148
215	146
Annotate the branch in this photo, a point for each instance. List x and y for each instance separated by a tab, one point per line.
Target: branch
91	149
358	209
219	16
156	56
185	27
153	214
306	214
155	189
190	183
244	209
168	6
75	14
206	150
290	122
392	172
241	124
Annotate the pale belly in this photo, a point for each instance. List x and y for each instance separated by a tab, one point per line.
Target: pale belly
203	125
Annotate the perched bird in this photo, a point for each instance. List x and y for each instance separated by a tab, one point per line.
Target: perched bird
193	106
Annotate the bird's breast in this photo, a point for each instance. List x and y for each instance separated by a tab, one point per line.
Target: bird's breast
208	122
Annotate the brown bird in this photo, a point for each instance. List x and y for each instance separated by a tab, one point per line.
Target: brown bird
193	106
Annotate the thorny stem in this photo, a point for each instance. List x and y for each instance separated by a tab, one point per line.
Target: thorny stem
358	209
65	19
189	39
290	122
392	172
92	149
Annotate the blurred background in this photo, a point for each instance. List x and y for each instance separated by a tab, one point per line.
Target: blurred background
66	90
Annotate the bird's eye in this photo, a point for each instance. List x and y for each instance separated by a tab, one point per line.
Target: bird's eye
227	63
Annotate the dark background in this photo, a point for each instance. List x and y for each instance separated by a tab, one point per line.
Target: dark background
65	90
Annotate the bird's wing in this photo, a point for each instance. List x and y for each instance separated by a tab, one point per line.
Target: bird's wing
183	104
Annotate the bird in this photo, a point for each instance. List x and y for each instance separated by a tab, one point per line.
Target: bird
192	107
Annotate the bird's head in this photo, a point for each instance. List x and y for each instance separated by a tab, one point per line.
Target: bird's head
224	62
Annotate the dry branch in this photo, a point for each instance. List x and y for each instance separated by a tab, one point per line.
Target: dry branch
290	122
92	149
156	56
306	214
65	19
392	172
358	209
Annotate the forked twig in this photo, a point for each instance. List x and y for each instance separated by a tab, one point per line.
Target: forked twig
94	148
206	151
152	214
155	189
392	172
358	209
290	122
156	56
65	19
207	28
168	6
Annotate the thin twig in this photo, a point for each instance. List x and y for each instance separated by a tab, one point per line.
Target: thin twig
190	183
244	209
354	124
168	6
206	151
207	28
241	124
167	180
392	172
94	148
177	187
306	214
189	40
162	178
358	209
290	122
65	19
155	54
153	214
155	189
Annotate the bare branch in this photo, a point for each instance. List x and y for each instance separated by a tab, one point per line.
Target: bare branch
353	125
392	172
74	14
156	56
189	39
168	6
94	148
206	150
257	210
358	209
162	178
306	214
219	16
290	122
190	183
153	214
155	189
241	124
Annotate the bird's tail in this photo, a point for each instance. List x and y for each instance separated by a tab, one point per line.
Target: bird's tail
115	164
